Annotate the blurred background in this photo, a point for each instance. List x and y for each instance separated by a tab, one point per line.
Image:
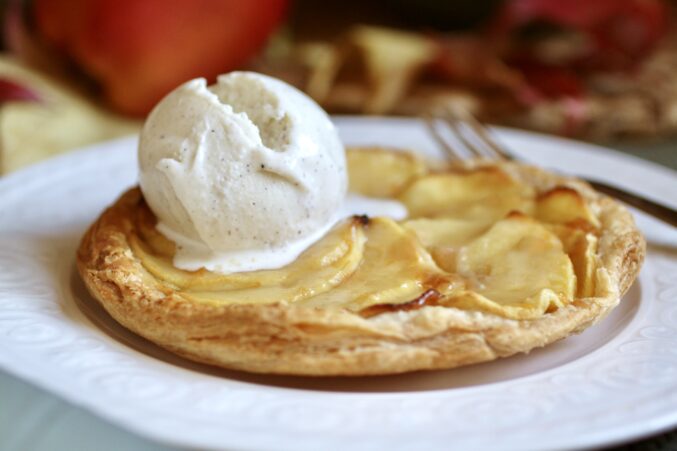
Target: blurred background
74	72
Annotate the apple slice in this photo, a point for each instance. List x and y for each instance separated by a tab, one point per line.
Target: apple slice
395	269
516	269
562	205
379	172
444	236
392	59
581	247
63	119
318	269
11	91
483	194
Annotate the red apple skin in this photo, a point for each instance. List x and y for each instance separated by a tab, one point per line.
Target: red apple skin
11	91
139	50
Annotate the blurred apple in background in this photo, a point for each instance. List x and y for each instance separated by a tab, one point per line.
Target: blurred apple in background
140	50
132	52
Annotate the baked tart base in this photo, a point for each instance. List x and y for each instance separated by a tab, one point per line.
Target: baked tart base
443	311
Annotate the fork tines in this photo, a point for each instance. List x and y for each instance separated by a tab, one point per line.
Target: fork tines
462	137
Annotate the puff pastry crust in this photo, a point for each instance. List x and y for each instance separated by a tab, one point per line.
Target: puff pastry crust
289	338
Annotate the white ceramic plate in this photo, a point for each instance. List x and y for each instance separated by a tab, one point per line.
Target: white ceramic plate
615	382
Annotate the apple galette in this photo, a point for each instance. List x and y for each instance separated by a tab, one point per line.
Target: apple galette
492	260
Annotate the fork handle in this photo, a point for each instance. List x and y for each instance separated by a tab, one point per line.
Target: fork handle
656	210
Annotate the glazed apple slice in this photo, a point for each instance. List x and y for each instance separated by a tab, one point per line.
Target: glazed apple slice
442	237
318	269
581	247
395	269
517	269
563	205
380	172
481	194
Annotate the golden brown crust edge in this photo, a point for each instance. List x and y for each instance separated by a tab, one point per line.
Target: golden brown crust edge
289	339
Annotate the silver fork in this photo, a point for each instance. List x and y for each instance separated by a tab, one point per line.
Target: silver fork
473	140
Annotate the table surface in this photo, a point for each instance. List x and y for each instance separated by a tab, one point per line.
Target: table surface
25	408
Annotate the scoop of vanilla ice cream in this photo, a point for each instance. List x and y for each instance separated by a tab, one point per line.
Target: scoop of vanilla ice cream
242	175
